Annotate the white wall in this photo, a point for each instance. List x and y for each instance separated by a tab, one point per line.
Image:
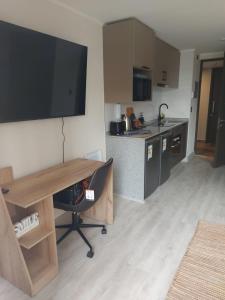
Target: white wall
204	104
33	145
149	109
180	101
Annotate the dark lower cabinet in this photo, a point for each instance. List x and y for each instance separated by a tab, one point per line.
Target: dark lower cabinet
178	144
152	165
165	156
161	154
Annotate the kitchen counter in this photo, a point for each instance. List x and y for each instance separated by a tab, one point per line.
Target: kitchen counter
151	129
129	153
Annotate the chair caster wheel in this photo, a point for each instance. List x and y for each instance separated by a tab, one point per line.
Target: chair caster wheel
90	254
104	231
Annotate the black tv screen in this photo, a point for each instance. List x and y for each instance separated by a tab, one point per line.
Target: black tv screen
40	76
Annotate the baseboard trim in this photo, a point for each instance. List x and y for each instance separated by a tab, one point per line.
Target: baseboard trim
188	157
129	198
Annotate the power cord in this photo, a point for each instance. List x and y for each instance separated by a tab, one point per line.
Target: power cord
64	139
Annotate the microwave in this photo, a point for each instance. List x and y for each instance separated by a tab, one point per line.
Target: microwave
142	85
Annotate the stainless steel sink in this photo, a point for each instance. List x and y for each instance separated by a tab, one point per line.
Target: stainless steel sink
137	132
151	128
171	121
169	124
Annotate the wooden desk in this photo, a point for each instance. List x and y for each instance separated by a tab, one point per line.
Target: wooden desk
31	262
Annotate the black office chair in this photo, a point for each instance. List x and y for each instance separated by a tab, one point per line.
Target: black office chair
78	205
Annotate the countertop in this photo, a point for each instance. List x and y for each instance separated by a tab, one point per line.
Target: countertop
151	129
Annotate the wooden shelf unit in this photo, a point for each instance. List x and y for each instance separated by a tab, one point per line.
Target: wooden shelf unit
35	236
42	262
35	252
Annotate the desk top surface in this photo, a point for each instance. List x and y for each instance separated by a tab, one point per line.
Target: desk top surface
33	188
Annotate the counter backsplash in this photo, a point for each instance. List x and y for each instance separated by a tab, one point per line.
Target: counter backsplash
149	108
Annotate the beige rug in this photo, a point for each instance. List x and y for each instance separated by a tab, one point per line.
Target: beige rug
201	274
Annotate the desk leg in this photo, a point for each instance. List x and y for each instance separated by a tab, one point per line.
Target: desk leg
103	210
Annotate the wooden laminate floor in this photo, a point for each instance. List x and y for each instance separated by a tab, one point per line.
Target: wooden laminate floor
138	258
206	150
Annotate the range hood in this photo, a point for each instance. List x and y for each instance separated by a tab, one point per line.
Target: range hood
162	85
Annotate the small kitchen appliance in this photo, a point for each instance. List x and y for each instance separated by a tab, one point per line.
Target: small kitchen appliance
116	127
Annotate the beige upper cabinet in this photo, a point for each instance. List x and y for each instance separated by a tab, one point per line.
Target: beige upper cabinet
127	44
167	64
144	46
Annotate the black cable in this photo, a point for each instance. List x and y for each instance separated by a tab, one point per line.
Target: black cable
64	139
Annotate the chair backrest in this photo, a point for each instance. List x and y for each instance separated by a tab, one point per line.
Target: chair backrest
6	175
97	184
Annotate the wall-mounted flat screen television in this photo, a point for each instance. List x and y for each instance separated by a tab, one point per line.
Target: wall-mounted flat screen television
41	76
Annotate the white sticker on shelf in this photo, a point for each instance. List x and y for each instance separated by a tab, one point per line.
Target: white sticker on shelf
90	195
150	151
26	225
164	144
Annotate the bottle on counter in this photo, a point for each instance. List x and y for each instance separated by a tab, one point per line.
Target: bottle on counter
141	118
126	122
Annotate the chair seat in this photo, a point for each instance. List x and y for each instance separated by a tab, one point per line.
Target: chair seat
64	206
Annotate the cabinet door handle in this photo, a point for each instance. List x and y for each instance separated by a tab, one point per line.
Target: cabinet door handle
221	123
145	67
164	76
213	107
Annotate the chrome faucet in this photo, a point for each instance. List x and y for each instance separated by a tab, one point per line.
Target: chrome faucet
160	117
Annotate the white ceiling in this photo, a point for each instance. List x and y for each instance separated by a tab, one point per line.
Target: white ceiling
186	24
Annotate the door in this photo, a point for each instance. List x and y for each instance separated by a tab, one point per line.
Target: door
220	135
215	95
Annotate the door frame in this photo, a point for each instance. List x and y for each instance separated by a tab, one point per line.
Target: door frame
199	96
210	97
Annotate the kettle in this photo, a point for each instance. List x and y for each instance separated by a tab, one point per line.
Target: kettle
127	122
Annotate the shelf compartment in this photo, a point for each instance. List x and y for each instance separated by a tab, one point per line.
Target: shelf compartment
35	236
43	277
45	214
41	261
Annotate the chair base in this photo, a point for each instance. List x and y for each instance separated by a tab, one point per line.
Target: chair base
76	225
